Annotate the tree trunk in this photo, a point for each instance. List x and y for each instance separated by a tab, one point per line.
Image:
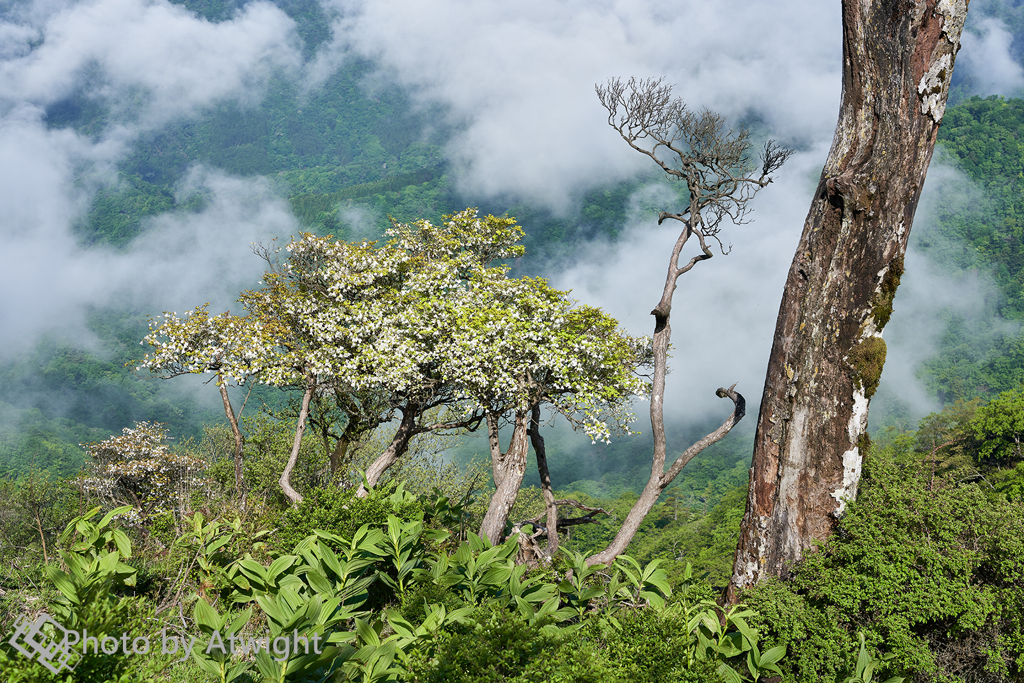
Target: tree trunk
660	343
828	352
660	480
237	433
339	453
550	508
508	480
286	477
396	449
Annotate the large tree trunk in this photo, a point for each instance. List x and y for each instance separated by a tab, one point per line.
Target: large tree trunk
828	352
508	477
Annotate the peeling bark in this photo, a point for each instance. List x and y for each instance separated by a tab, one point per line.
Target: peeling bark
828	352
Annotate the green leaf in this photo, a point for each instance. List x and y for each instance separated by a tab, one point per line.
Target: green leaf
729	674
121	542
63	583
773	655
116	512
206	616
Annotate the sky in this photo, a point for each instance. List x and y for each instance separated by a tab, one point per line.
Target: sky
517	81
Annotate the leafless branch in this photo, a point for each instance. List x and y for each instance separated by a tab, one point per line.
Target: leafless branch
697	148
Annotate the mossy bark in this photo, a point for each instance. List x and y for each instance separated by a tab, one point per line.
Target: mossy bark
827	355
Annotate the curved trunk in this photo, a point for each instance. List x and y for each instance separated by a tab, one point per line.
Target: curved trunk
513	467
339	453
550	508
660	480
396	449
828	352
286	477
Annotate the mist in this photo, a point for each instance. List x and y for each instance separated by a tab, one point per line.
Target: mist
148	63
515	84
518	80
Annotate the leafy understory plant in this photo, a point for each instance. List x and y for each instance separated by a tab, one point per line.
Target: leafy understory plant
93	557
867	664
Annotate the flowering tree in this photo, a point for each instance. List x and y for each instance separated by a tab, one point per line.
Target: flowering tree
428	323
138	468
234	348
429	332
526	344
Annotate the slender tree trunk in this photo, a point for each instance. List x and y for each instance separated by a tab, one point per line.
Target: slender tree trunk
550	508
396	449
661	341
508	480
828	352
237	433
660	480
286	477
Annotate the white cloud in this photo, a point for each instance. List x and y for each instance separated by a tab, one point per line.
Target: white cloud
723	316
153	53
154	61
517	80
520	77
986	59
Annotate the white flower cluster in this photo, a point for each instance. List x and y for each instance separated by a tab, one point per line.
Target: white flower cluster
426	314
139	468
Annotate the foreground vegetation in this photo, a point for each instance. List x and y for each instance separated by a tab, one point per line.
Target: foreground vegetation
925	575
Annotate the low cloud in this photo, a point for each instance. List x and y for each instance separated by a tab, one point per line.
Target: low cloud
147	63
181	261
153	61
987	61
518	79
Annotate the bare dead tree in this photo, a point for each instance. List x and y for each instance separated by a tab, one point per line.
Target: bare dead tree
699	150
828	351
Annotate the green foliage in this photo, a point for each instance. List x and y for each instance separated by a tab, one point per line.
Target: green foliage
88	603
501	646
117	214
929	569
867	664
981	229
95	568
215	549
867	359
340	512
998	427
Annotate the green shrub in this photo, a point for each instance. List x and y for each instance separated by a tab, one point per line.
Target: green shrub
338	511
929	568
500	647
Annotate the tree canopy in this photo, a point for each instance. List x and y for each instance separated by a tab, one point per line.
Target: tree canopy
429	325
